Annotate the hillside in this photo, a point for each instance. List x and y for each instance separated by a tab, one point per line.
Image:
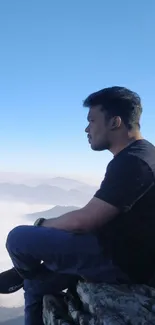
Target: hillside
14	321
56	191
9	314
52	213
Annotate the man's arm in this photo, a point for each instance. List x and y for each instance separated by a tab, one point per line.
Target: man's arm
126	181
94	215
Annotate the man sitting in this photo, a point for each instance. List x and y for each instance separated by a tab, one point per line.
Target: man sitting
109	240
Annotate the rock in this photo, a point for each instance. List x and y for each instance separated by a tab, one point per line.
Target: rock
101	304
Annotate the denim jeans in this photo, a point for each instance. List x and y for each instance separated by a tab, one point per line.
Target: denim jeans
45	282
50	260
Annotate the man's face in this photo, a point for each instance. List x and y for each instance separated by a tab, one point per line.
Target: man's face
98	129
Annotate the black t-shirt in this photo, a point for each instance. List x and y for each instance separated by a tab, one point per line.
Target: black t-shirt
129	184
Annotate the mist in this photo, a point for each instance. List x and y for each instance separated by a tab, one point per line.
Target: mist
13	214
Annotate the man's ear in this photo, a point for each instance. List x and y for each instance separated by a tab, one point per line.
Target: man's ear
116	122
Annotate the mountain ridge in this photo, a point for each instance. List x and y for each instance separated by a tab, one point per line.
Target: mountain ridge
64	194
8	314
52	213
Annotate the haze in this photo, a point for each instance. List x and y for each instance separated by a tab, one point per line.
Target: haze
11	215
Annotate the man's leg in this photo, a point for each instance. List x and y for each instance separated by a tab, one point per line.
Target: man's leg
61	251
47	282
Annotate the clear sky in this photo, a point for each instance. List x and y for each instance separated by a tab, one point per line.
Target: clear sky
52	55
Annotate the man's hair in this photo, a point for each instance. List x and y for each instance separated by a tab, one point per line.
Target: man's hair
118	101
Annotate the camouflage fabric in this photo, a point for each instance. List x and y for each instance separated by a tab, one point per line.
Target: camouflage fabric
101	304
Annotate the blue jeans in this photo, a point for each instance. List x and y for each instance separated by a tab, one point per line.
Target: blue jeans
50	260
45	282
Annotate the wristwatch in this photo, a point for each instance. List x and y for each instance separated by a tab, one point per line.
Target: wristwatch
39	222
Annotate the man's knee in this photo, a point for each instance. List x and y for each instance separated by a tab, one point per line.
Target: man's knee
15	238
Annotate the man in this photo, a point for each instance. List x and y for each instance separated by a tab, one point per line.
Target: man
111	239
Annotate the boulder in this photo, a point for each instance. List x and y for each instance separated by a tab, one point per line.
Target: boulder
101	304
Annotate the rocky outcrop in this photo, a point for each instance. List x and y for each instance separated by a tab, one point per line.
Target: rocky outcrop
101	304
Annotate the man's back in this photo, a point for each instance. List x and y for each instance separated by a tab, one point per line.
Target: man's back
130	238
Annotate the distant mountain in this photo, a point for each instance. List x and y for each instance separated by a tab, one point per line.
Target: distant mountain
14	321
7	314
63	183
62	192
34	180
52	213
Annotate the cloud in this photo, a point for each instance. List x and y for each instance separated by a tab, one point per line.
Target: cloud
12	214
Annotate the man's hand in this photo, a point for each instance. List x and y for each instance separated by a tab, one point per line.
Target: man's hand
89	218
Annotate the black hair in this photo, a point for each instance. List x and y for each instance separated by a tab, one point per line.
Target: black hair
118	101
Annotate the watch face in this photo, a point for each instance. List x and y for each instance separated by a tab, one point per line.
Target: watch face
39	221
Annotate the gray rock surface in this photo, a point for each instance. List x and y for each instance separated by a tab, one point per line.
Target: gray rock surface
101	304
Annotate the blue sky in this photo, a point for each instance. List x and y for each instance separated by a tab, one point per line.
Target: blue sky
52	55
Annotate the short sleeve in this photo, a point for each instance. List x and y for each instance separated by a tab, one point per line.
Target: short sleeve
126	181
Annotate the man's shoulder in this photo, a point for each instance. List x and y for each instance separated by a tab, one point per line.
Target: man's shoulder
141	146
144	151
138	156
140	150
